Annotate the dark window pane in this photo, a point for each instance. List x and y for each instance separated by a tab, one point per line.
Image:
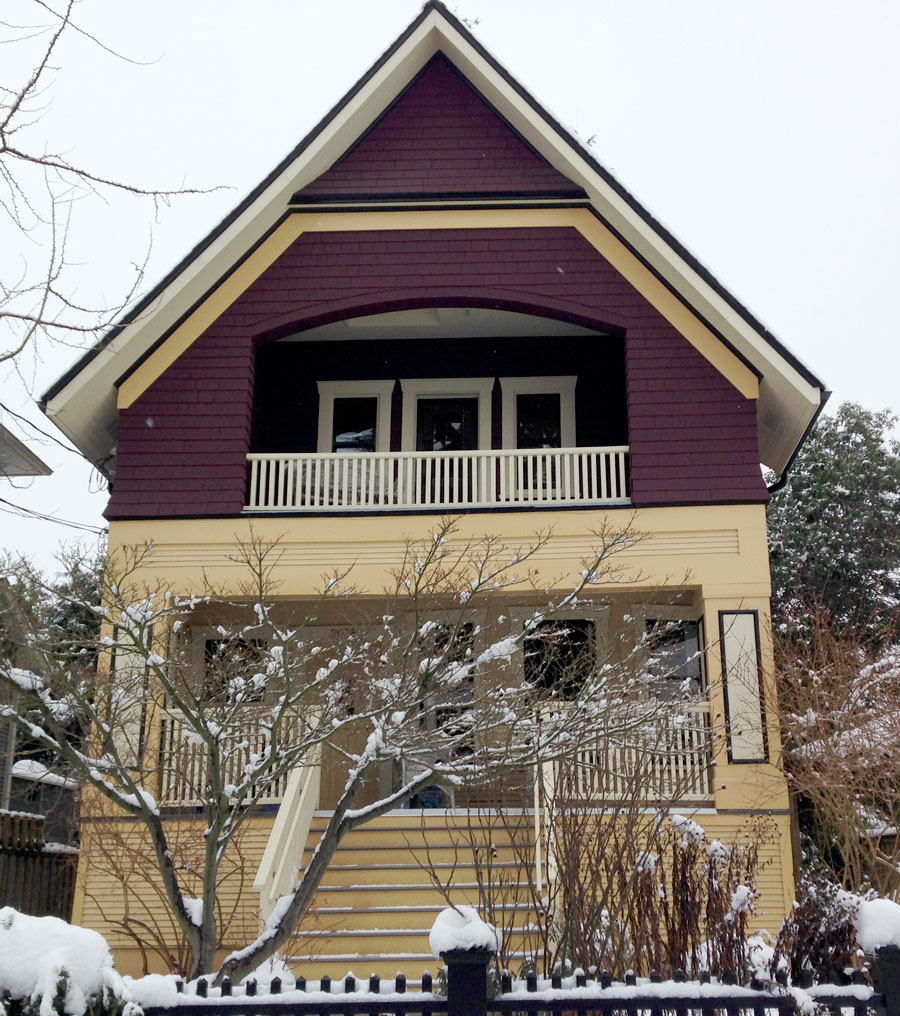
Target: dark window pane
230	666
560	655
444	425
354	425
538	421
675	650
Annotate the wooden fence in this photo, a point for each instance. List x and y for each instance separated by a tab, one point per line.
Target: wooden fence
35	878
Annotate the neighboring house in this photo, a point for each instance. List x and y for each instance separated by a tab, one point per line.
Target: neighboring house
17	459
441	272
24	786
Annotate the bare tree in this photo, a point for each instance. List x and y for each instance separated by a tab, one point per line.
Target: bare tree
41	190
840	695
391	686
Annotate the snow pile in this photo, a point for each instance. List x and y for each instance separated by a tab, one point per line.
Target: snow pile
274	966
34	953
461	928
152	990
877	924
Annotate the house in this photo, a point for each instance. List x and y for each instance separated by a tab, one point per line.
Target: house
24	785
440	302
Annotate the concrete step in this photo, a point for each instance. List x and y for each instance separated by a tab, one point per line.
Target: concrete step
377	903
424	857
337	965
408	916
327	941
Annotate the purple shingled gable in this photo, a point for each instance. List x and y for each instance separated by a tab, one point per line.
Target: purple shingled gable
440	137
182	443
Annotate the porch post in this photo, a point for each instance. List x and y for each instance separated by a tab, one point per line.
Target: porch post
467	981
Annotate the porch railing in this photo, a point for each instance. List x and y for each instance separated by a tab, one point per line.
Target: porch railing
670	761
411	481
184	760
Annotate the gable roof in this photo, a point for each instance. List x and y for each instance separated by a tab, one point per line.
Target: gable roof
439	138
83	401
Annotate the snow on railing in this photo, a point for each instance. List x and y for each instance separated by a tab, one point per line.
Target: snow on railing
410	481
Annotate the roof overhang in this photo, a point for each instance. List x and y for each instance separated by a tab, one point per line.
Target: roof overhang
83	402
16	459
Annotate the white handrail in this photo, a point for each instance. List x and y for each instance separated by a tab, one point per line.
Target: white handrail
283	855
410	481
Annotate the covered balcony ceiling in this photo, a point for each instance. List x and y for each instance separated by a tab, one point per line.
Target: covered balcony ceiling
442	323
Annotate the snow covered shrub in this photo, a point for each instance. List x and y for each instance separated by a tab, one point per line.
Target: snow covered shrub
819	934
693	901
49	967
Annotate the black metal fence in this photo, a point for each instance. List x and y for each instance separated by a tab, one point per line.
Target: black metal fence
467	992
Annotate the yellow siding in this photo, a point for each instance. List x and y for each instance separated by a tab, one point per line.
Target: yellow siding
398	839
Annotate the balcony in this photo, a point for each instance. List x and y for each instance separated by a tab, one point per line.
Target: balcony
449	481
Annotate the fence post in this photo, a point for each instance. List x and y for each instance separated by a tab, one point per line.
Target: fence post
886	975
467	981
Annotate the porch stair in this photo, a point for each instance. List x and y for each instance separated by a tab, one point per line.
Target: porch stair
378	900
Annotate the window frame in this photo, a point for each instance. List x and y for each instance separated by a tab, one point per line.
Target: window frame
381	391
562	385
416	388
598	616
643	613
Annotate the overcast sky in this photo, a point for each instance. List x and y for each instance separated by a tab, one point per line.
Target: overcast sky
763	133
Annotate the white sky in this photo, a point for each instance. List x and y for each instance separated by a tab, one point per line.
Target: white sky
763	133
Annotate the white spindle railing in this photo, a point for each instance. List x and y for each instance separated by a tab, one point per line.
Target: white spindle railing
670	761
184	763
407	481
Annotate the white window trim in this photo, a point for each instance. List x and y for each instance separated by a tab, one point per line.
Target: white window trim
564	386
445	388
331	390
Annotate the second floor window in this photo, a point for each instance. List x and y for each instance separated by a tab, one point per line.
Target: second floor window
354	421
538	421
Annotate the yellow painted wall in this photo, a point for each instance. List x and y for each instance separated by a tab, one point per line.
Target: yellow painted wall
105	901
719	549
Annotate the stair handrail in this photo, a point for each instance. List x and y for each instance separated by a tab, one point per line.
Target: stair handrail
283	855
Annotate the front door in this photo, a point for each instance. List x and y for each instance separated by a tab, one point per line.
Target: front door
446	425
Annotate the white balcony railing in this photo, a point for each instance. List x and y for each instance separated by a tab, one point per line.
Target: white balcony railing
410	481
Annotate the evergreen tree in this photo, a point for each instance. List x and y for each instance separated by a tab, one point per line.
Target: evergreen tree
834	528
